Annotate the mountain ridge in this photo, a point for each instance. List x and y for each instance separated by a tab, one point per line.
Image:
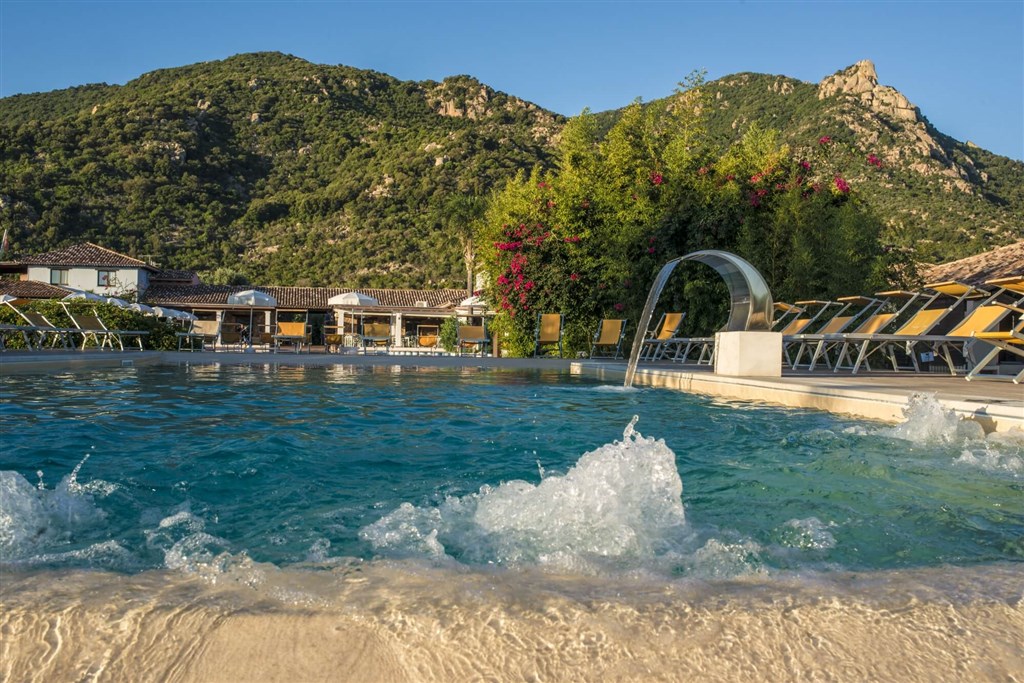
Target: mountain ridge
277	169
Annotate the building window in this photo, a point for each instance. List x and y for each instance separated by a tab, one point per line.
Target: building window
58	276
104	278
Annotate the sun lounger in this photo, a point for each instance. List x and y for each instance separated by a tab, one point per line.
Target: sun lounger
293	333
91	327
660	339
472	337
608	338
984	318
202	332
923	322
1011	340
428	336
40	329
548	332
7	330
824	343
376	337
841	321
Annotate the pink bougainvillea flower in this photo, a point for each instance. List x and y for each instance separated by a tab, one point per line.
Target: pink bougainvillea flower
551	204
650	250
842	185
542	184
730	177
805	165
657	178
619	307
755	201
824	140
703	170
574	276
874	161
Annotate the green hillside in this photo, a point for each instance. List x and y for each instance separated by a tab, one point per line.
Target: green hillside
265	164
952	199
289	172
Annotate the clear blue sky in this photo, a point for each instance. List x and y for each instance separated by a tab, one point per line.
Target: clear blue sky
962	63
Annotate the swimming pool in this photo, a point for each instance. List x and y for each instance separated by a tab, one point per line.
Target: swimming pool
281	476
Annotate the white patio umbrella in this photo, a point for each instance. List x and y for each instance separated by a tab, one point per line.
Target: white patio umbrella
252	298
142	308
81	294
352	299
120	303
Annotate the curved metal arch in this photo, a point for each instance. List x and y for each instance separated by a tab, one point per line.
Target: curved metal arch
751	305
751	301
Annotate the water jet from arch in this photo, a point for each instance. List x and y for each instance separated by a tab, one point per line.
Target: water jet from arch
751	306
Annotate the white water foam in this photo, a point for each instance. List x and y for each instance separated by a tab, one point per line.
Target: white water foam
928	422
33	518
619	506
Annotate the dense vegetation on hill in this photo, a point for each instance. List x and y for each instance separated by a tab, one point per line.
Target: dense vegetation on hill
950	199
287	172
266	164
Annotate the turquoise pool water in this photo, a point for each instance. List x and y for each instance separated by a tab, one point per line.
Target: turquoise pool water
194	468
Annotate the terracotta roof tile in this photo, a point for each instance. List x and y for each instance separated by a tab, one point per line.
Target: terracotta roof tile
306	298
1002	262
87	254
30	289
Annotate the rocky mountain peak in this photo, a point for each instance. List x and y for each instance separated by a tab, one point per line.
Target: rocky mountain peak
861	82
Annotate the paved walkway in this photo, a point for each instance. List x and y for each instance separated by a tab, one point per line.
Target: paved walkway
995	402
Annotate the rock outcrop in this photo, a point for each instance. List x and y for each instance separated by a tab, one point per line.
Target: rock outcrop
861	81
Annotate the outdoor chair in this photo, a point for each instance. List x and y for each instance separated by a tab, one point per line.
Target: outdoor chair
201	331
1011	340
608	338
895	301
427	336
376	336
837	324
548	332
293	333
23	330
923	322
472	337
40	328
91	327
661	338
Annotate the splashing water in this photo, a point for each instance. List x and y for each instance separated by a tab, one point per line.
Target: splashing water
927	422
34	517
619	504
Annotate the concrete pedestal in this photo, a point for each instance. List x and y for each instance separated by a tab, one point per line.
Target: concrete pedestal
748	354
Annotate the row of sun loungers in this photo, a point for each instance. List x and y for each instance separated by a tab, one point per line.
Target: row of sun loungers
897	330
39	333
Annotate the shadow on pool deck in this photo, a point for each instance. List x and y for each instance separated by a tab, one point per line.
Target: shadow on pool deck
995	402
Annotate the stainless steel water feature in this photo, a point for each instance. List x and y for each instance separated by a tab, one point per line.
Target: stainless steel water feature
751	300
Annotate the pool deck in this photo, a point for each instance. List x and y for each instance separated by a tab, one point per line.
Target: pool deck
994	402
